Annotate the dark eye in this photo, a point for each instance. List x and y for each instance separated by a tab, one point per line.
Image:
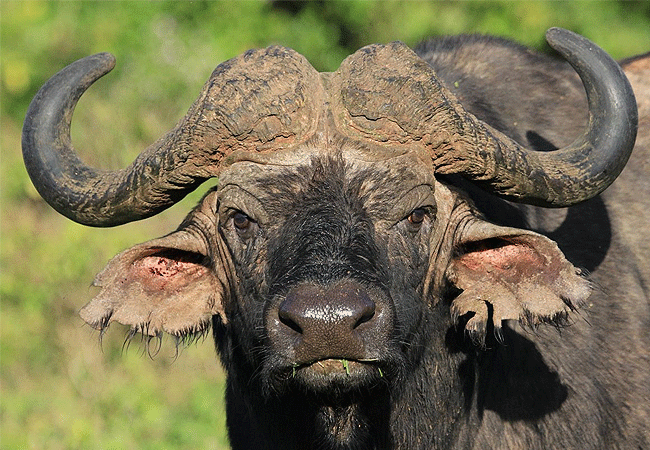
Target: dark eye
241	221
417	216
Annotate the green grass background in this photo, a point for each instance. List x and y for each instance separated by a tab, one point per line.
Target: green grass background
60	387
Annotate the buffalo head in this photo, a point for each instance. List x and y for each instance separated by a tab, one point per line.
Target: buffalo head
334	250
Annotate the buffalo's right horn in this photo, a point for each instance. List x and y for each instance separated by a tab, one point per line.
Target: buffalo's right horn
261	96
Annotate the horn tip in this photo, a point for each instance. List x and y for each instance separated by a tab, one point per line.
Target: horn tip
556	35
106	60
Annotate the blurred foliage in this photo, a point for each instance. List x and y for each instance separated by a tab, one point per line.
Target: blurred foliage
61	389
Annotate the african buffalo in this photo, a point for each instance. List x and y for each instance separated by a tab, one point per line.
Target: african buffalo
362	291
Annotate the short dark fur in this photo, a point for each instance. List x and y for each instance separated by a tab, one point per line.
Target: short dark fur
323	235
267	410
326	233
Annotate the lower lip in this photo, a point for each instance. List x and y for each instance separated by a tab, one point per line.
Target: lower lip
338	367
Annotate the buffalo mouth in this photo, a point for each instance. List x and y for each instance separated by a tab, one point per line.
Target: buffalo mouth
334	337
336	376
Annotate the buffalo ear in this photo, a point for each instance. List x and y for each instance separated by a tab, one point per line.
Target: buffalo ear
506	273
168	284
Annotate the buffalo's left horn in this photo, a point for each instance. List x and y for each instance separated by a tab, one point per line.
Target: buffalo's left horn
248	102
389	95
568	175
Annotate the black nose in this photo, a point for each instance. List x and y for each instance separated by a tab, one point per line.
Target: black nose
327	322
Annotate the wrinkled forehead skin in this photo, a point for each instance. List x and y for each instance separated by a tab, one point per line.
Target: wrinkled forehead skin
409	175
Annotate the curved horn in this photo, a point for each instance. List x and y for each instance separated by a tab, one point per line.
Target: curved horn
253	99
81	193
389	95
571	174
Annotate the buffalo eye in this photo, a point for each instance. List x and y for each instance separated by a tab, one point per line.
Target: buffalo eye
417	216
241	221
242	225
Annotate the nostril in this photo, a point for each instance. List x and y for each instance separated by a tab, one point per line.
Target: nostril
286	317
365	314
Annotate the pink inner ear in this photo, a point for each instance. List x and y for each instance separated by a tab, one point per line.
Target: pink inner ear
163	267
502	256
169	269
